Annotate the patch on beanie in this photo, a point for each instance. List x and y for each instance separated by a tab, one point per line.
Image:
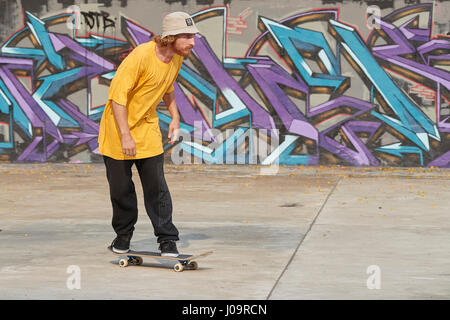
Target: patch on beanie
189	22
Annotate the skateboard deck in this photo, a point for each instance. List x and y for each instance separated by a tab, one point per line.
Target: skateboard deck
185	261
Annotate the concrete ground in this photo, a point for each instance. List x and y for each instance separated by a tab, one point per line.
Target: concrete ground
293	233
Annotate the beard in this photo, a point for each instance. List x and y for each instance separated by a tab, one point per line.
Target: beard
180	49
183	52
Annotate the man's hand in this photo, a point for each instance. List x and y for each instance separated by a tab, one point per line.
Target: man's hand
120	114
128	145
174	127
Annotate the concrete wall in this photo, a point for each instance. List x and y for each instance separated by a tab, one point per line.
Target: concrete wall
357	83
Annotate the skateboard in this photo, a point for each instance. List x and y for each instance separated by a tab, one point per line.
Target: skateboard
185	261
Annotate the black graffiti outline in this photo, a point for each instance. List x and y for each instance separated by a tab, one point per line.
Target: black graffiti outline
92	18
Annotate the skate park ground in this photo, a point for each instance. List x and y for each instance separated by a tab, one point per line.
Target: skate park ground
285	233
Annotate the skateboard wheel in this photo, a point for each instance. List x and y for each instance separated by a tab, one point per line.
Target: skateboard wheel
193	265
138	261
123	263
178	267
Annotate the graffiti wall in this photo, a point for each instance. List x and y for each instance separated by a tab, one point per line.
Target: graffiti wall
355	83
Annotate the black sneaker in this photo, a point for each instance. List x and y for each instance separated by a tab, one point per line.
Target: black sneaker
121	244
168	248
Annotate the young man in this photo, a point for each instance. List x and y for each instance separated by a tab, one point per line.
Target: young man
129	131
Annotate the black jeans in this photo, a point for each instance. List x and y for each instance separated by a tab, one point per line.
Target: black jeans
158	202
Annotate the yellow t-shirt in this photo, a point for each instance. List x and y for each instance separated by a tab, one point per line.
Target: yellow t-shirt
140	83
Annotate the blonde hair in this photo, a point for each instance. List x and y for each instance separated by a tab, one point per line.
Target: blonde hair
164	42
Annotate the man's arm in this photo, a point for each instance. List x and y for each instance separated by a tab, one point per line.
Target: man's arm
120	114
174	126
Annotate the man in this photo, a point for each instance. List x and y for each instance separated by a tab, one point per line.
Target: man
129	131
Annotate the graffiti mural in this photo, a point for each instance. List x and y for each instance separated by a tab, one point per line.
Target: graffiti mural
308	89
